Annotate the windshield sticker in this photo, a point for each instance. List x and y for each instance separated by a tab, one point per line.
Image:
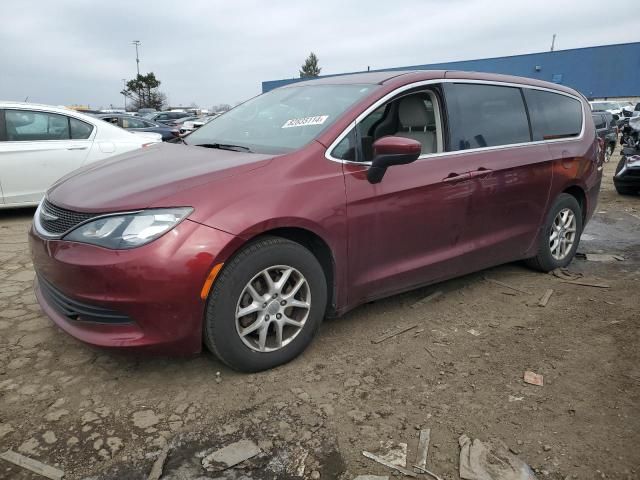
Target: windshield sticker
305	122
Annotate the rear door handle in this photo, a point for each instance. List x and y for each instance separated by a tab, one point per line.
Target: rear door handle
77	148
455	177
479	172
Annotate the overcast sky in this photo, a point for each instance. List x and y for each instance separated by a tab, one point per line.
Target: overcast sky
211	52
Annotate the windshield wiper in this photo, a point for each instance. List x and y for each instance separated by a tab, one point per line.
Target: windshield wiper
225	146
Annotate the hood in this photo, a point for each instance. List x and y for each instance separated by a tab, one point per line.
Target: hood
146	177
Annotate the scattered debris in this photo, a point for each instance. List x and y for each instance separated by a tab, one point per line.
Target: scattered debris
392	334
218	377
395	453
565	274
474	332
418	332
506	285
603	257
587	284
384	462
430	353
423	449
372	477
158	465
533	378
490	461
511	294
424	470
32	465
513	398
545	298
427	299
231	455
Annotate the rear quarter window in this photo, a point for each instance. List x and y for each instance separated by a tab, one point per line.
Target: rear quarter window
485	116
553	115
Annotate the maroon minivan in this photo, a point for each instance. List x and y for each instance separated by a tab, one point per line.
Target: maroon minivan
309	200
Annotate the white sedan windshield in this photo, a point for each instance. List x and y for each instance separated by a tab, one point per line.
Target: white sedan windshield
281	120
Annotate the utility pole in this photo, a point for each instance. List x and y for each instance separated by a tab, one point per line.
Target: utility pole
137	44
553	42
124	93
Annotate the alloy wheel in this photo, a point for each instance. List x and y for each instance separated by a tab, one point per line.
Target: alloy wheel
563	234
273	308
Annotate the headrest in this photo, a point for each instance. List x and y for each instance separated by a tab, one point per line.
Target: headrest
412	112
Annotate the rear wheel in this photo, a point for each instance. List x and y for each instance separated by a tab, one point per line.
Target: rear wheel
266	305
560	235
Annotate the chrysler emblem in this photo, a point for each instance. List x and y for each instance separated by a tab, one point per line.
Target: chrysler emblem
49	217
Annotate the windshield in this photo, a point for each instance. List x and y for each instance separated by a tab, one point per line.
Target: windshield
281	120
604	106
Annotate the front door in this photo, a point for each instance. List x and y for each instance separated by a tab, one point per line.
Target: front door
408	229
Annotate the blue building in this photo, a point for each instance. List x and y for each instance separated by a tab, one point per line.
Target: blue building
608	71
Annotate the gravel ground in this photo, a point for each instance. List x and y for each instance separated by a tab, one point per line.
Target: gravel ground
101	415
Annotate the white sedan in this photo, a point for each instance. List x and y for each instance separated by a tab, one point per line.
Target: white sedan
40	143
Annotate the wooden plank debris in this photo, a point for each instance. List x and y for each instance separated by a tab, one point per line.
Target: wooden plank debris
506	285
158	465
427	472
394	333
423	449
587	284
427	299
32	465
545	298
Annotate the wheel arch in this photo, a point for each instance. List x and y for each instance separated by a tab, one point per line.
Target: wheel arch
318	247
580	195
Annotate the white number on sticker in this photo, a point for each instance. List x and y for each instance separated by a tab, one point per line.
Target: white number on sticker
306	121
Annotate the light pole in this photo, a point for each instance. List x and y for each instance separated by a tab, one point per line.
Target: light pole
124	92
137	44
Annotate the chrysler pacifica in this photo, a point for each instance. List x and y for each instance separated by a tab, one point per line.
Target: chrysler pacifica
309	200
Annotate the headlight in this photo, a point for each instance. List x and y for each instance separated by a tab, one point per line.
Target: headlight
129	230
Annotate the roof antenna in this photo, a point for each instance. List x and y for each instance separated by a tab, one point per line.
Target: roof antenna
27	98
553	42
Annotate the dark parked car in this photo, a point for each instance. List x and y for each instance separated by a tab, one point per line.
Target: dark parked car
166	117
310	200
138	124
607	130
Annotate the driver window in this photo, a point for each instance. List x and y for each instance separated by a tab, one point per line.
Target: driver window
414	116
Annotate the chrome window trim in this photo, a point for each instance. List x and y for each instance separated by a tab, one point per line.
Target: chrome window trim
411	86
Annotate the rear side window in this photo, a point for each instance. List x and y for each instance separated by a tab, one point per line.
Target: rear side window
553	115
485	116
80	130
25	126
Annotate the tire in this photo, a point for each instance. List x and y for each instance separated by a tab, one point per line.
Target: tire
231	292
545	261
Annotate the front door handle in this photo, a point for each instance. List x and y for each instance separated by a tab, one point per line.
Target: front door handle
455	177
77	148
480	171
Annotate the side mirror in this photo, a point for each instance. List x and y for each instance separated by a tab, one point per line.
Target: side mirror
388	151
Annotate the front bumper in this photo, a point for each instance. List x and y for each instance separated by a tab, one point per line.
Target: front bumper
145	298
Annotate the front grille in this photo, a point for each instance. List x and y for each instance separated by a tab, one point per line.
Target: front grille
77	311
56	220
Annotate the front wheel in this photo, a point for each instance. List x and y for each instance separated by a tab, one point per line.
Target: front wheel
266	305
560	235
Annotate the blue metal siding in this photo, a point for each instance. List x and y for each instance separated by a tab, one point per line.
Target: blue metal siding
604	71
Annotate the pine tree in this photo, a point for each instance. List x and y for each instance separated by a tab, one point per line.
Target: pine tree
310	67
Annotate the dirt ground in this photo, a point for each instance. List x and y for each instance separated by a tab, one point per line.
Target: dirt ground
102	415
